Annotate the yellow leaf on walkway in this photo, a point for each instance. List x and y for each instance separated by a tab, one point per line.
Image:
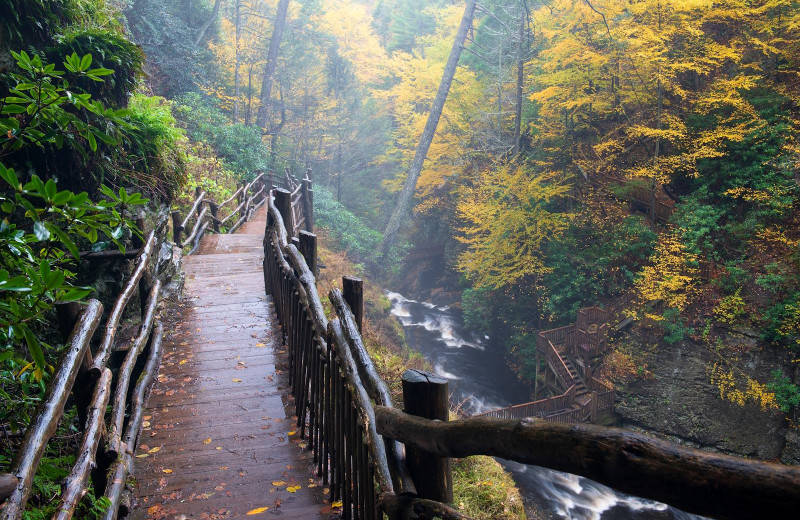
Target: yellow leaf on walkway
257	511
207	441
155	450
167	471
237	380
278	483
293	489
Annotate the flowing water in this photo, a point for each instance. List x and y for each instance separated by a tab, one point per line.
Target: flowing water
481	380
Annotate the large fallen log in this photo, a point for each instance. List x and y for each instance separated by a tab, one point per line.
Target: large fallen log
709	484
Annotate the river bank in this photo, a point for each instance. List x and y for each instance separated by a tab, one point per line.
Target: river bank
480	380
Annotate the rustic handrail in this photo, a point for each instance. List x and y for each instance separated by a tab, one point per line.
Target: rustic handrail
50	411
696	481
198	201
333	404
74	487
104	351
89	379
126	370
118	473
196	228
209	213
375	386
533	408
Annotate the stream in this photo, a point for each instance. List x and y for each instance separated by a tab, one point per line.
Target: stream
481	380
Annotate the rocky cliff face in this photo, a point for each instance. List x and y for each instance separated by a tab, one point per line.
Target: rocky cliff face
673	397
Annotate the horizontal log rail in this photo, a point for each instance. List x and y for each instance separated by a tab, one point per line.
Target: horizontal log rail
205	212
87	377
709	484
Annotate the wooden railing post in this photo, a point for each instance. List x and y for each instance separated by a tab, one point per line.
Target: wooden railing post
426	395
197	191
308	202
283	203
215	214
353	292
177	228
308	248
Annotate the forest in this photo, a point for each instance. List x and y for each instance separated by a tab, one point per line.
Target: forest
515	161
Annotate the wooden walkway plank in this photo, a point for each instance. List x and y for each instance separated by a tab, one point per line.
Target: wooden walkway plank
219	440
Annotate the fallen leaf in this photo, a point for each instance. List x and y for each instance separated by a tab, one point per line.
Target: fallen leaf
168	471
183	361
293	489
278	483
218	448
260	345
155	450
207	441
143	455
146	424
292	432
337	504
237	380
257	511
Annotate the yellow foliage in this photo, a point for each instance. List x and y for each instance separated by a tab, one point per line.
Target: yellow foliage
741	389
507	221
671	275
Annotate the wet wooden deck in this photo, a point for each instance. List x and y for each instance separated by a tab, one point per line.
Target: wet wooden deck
219	440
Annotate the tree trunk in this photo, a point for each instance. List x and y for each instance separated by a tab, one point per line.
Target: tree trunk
213	16
272	62
237	89
248	116
523	40
407	194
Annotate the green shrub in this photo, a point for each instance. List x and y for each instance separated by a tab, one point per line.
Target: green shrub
240	146
153	157
787	394
109	49
478	309
353	236
674	326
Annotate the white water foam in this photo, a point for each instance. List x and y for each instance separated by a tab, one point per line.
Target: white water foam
577	498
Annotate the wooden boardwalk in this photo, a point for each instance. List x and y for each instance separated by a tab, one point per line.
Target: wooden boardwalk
219	440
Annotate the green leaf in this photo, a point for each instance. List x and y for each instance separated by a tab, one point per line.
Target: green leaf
86	62
34	347
100	72
75	294
40	231
14	109
92	141
9	176
65	239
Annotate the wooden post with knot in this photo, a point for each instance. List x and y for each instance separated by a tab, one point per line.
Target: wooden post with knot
426	395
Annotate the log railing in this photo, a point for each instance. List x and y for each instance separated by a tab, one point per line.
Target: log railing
696	481
335	383
205	212
105	444
345	411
